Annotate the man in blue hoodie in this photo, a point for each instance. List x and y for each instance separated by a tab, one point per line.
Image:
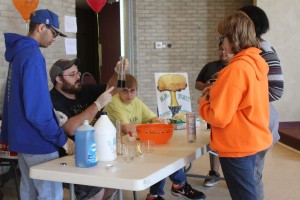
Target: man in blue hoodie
29	124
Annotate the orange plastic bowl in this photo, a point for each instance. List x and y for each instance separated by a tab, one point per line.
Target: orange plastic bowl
159	133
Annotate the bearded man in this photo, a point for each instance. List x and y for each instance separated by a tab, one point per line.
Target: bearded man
74	103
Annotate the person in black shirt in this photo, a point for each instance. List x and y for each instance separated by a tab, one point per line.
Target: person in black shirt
74	103
209	72
206	77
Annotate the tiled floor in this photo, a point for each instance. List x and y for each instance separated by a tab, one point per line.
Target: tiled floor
281	179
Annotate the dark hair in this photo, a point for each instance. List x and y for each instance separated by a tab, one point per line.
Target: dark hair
32	27
259	18
220	43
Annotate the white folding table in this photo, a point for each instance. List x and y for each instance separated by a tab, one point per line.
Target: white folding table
137	175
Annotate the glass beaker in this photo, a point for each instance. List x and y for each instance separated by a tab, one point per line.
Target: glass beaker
121	75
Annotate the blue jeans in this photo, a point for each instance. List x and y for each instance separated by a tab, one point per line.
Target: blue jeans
177	178
33	189
239	176
260	157
258	169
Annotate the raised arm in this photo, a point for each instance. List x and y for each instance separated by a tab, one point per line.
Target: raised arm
114	78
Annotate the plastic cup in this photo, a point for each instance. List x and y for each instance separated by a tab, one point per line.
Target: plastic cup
148	146
128	154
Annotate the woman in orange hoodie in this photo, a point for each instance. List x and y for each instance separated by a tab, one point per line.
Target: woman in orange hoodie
237	106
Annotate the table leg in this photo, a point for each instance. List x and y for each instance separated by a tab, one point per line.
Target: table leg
120	194
72	194
16	179
134	195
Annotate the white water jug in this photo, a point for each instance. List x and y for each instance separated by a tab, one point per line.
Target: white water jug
105	137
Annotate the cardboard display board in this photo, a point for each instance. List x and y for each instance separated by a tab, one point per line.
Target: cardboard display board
173	95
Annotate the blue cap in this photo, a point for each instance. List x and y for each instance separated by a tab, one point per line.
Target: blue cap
45	16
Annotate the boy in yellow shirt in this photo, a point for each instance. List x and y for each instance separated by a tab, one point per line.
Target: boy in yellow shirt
131	111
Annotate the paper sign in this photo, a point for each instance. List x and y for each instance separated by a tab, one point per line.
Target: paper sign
173	94
70	24
71	46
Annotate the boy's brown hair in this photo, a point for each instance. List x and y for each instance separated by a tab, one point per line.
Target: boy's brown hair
131	81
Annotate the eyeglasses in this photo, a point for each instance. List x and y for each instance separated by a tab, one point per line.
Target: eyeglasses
54	32
126	91
221	50
221	38
73	74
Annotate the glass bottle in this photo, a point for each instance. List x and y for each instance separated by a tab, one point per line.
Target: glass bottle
121	74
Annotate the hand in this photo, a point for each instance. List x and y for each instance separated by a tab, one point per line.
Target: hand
119	65
104	98
203	97
205	94
61	117
206	90
69	147
160	121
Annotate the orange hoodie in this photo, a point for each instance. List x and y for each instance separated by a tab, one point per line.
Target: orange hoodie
238	109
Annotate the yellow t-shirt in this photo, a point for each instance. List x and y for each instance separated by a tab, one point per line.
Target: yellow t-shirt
134	113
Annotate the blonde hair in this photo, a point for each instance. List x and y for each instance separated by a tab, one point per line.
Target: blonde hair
240	31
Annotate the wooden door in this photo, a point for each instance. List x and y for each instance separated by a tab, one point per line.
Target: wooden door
87	40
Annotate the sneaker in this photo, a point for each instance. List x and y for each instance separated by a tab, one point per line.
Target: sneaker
186	191
154	197
209	182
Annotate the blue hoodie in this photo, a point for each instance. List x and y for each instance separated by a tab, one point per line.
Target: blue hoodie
29	124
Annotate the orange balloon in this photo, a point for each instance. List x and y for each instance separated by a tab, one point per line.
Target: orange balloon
26	7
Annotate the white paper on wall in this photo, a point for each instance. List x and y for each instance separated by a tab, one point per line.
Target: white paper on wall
71	46
70	24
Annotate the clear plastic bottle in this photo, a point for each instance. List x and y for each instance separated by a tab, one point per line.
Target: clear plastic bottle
85	146
105	137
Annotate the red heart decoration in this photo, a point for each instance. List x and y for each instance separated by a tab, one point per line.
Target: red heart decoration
96	5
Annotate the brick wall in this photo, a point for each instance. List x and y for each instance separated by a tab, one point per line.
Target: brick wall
190	26
11	21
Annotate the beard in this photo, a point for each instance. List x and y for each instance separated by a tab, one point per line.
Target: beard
69	88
